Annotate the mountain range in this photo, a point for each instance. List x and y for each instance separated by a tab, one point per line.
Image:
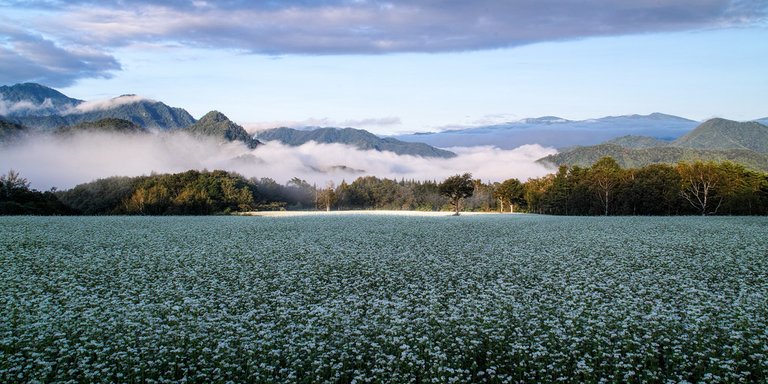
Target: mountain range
42	108
552	131
715	139
633	140
355	137
29	107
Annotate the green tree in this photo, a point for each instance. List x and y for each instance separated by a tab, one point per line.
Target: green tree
653	190
13	183
509	192
534	191
456	188
326	197
605	176
699	183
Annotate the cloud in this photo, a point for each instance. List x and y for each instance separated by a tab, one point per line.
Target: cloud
355	27
50	161
47	107
98	105
24	107
62	42
30	57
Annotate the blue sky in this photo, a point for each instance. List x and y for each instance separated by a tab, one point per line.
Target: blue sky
399	66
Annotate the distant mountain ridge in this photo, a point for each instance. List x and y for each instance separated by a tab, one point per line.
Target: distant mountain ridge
557	132
358	138
39	107
715	139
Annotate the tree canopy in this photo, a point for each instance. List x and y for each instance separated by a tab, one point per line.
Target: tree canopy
456	188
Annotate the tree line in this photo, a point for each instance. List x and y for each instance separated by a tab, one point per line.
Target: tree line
688	188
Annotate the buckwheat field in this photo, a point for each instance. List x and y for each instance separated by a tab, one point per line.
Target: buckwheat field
384	299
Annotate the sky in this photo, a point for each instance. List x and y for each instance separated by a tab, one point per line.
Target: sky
399	66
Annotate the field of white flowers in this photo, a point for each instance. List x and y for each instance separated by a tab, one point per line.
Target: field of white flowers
385	299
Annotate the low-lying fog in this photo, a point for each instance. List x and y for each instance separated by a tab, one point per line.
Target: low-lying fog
65	161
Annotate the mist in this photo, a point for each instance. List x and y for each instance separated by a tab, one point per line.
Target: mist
100	105
65	161
25	107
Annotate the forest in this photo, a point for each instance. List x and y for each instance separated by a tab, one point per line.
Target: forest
687	188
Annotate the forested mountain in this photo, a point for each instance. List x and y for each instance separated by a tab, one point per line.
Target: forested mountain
639	157
558	132
109	125
31	99
215	124
715	140
726	134
355	137
40	107
637	142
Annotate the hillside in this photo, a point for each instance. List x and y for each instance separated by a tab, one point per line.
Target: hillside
716	139
726	134
358	138
215	124
30	99
43	108
633	158
638	142
108	125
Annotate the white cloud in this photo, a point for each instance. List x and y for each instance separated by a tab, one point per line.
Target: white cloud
333	27
99	105
23	107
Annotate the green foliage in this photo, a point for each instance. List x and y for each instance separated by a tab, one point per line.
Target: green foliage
16	198
190	193
456	188
510	192
658	189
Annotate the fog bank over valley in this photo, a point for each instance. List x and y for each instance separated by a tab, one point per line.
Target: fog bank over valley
63	161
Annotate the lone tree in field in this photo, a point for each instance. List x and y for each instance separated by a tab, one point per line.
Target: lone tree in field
456	188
